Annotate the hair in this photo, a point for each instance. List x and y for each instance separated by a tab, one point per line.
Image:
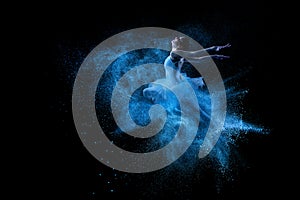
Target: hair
184	43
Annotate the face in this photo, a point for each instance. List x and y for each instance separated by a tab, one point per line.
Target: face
176	42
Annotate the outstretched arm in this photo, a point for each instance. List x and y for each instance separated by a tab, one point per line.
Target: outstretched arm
216	56
178	75
203	58
201	52
218	48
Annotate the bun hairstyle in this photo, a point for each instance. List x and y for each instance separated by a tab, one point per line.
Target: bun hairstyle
184	43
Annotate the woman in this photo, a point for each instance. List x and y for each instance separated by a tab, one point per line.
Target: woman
173	65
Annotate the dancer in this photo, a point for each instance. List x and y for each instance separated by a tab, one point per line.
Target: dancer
173	65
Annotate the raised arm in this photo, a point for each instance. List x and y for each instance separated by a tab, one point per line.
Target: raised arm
216	56
218	48
200	53
203	58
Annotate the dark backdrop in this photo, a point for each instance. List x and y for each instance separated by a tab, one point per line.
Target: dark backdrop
67	33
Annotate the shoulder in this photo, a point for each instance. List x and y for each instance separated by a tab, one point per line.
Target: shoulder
175	56
182	53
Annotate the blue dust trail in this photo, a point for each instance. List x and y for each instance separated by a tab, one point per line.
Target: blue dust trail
224	154
236	126
233	129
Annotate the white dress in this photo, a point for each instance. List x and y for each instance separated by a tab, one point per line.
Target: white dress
156	92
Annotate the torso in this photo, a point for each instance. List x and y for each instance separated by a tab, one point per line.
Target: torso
171	66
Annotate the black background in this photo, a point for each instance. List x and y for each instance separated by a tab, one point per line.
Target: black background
62	166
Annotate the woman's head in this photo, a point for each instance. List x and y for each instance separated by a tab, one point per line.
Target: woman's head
180	43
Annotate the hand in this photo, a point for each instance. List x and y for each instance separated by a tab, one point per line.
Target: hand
218	48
